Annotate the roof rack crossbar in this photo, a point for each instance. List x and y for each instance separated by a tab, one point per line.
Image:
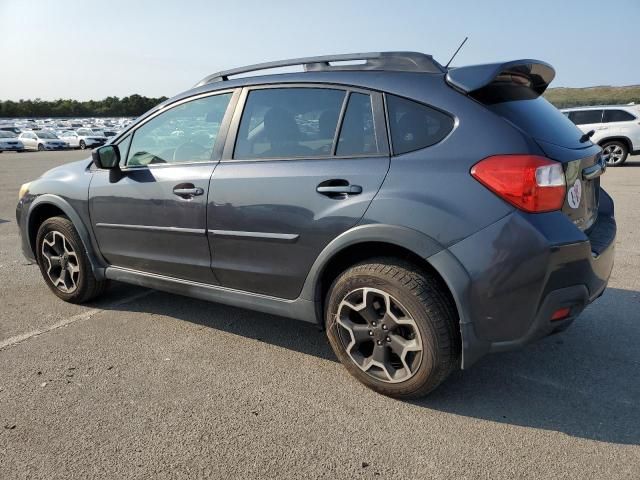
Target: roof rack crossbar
391	61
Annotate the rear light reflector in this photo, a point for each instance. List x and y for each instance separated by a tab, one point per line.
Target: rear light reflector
561	313
529	182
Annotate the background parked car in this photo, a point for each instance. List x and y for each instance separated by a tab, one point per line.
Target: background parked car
9	142
15	130
42	140
616	127
83	138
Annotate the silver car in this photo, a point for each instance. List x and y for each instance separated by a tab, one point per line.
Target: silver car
83	138
42	140
616	129
9	142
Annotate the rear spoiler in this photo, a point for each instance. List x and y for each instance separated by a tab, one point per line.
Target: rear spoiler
537	75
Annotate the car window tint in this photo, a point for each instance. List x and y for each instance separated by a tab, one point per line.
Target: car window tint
583	117
617	116
414	126
185	133
289	123
357	134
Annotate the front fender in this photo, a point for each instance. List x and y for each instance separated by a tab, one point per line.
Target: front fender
97	262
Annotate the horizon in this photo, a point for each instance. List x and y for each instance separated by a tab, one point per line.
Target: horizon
154	51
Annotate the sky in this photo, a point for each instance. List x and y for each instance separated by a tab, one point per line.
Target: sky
86	49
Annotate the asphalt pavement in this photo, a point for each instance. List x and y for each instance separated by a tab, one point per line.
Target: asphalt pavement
144	384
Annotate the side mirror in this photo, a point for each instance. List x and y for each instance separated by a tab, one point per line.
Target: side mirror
107	157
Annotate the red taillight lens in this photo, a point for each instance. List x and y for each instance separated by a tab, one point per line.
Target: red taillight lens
531	183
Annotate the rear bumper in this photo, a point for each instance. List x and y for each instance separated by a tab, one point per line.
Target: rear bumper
522	269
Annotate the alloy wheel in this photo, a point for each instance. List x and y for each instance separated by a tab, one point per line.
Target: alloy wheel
379	335
62	266
615	153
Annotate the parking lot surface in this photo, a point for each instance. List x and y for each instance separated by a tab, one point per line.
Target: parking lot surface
144	384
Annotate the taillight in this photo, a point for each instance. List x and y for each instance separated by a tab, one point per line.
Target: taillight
531	183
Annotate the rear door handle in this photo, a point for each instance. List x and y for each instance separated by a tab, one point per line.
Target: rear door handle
348	189
187	190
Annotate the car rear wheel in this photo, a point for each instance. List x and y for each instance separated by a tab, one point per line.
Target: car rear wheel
393	327
83	145
63	262
617	153
40	147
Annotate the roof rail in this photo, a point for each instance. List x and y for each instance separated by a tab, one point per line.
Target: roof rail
390	61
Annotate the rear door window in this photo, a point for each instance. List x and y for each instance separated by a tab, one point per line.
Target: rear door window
611	116
289	123
585	117
415	126
357	134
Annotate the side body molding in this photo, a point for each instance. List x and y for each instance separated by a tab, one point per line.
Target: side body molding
97	262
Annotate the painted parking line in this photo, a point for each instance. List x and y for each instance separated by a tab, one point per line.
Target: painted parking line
68	321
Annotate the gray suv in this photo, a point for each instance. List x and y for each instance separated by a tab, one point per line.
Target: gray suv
423	216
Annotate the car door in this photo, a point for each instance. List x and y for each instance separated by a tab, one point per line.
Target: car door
622	123
151	217
307	161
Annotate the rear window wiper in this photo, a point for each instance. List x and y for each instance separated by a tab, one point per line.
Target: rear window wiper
587	136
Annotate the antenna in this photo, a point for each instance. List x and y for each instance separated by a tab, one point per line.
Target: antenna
456	52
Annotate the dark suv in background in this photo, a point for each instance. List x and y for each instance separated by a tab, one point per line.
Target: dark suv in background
424	216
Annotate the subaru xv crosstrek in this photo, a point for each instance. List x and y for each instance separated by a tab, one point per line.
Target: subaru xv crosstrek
423	216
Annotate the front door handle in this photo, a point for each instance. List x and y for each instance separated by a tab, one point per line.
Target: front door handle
187	190
338	188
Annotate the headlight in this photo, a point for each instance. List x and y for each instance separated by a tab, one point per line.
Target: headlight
24	189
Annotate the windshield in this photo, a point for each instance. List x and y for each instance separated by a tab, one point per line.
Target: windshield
47	135
85	132
4	134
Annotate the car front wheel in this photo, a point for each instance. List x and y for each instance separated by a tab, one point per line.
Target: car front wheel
40	147
393	327
63	262
617	153
83	145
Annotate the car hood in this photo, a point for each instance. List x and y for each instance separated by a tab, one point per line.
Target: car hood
73	168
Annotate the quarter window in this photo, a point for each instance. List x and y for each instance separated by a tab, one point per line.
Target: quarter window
617	116
584	117
357	134
415	126
289	123
185	133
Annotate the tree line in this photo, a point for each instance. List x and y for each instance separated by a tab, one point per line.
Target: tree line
131	106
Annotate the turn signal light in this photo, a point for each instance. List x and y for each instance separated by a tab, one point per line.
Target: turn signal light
529	182
561	313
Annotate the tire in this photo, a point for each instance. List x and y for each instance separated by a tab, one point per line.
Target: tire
617	151
418	349
83	145
58	247
40	147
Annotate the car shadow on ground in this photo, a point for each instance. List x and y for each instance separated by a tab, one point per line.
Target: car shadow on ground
583	382
3	221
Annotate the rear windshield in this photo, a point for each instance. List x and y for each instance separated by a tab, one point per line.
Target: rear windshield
541	120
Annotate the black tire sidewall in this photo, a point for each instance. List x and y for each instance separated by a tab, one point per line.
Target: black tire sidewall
349	282
66	228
